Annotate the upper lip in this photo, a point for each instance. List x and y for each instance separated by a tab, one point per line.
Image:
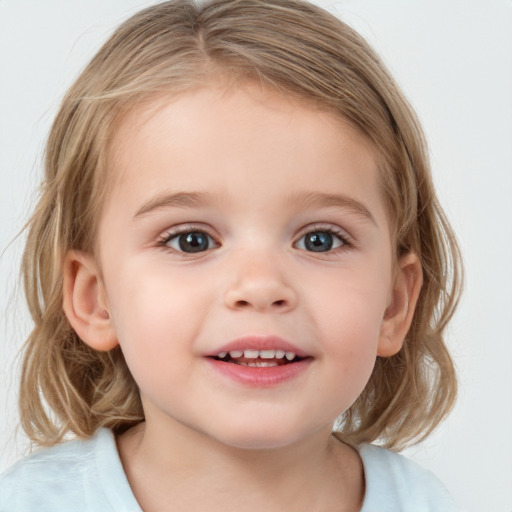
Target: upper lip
252	342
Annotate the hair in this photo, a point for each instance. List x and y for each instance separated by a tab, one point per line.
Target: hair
289	46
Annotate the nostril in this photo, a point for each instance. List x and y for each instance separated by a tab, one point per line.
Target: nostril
245	303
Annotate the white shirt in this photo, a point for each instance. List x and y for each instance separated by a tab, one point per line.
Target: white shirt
87	476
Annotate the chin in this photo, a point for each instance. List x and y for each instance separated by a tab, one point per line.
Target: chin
260	437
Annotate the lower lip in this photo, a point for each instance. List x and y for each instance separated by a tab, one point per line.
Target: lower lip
262	377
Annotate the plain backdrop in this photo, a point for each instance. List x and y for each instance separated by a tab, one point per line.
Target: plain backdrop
454	61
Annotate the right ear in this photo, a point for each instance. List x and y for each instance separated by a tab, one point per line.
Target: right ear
85	301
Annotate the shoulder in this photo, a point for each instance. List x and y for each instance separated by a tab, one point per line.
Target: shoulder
396	483
65	477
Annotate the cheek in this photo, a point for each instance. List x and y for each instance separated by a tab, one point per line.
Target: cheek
153	317
349	316
354	341
352	302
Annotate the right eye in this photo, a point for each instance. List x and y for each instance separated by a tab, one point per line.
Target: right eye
190	241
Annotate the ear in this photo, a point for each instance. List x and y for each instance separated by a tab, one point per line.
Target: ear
85	302
400	311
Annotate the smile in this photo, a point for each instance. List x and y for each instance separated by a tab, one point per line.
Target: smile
259	361
258	358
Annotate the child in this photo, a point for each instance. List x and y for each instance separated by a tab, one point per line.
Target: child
237	246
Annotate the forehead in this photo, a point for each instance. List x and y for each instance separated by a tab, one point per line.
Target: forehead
251	139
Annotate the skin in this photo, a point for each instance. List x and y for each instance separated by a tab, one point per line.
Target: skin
256	154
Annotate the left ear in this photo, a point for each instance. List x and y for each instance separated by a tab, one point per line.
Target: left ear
400	311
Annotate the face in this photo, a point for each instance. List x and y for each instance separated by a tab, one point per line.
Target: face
247	264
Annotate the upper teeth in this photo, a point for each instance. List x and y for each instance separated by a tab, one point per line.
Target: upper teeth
254	354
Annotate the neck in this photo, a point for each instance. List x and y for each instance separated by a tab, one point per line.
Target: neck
186	470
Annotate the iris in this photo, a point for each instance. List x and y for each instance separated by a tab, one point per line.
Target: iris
318	241
195	241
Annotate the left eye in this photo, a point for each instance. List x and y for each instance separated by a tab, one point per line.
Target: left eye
191	242
320	241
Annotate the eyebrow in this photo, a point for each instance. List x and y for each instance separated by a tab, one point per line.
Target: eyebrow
174	200
304	200
300	200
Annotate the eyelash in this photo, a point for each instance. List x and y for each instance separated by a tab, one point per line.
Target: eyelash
183	230
346	240
343	237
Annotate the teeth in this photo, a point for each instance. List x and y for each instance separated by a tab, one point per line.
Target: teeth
255	354
259	364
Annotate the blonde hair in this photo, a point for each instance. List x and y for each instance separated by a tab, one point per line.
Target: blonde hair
297	49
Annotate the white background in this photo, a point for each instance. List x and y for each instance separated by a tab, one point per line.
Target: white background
454	61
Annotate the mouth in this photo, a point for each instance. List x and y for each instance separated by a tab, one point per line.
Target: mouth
259	358
260	361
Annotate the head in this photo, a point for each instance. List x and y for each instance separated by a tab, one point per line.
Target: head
175	47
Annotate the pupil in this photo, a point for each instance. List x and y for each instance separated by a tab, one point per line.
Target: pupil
193	242
319	241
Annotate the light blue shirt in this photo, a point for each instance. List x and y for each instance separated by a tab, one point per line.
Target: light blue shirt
87	476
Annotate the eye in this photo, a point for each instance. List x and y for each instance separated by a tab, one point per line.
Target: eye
321	240
190	241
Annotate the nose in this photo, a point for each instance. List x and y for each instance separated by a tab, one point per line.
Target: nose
258	284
